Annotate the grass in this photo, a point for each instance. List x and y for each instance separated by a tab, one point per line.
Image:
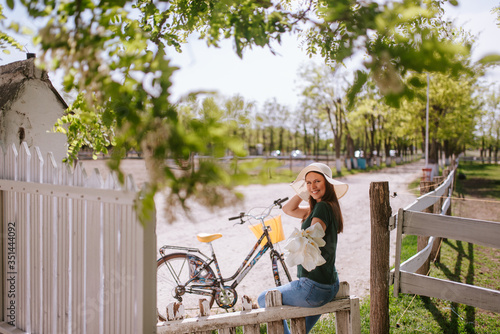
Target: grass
459	261
481	180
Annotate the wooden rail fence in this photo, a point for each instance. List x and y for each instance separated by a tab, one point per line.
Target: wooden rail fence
345	307
436	223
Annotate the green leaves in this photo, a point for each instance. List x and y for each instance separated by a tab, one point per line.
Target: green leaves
10	3
86	128
112	52
398	37
360	80
7	41
246	22
490	59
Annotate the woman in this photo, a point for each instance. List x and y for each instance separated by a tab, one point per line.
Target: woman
319	286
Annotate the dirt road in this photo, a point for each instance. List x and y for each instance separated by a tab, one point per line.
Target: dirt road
353	253
353	262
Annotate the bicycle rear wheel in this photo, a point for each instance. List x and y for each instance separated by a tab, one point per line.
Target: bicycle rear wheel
173	272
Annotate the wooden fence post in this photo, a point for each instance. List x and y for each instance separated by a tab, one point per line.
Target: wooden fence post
422	241
343	318
204	307
175	311
380	213
435	253
149	275
3	240
247	306
273	298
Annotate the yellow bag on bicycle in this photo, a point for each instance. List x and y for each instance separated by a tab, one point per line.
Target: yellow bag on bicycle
275	230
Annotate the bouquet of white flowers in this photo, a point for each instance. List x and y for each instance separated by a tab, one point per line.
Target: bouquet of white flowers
302	247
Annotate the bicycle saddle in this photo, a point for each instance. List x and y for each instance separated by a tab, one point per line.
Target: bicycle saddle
205	237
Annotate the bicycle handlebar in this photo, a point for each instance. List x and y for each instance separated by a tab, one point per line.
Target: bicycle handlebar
277	202
237	217
280	201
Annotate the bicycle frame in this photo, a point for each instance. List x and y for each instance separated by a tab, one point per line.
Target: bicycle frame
245	267
248	264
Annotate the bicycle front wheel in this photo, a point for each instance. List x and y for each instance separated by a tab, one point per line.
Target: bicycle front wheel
185	278
280	270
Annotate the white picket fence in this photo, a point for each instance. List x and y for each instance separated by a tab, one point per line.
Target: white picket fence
74	255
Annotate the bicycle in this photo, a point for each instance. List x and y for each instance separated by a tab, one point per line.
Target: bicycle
188	274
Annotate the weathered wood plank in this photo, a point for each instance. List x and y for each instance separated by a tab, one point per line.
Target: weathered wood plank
423	241
50	264
2	241
432	197
23	235
91	194
261	315
355	322
479	232
273	298
146	251
247	306
394	278
446	205
108	257
380	213
204	307
93	270
416	261
342	317
298	326
467	294
37	242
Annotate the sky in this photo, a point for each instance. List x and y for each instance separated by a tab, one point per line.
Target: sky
262	76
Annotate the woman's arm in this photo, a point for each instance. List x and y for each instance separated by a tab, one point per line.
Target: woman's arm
293	209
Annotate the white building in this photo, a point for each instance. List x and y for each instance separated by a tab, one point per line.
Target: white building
29	108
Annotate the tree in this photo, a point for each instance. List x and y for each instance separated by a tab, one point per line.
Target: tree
113	52
397	37
453	114
239	112
489	125
323	92
278	119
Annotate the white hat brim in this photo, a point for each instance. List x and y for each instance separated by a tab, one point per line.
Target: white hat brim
300	187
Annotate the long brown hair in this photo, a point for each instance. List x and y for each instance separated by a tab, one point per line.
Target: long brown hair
329	197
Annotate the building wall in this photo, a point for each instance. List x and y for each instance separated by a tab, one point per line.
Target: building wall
32	117
31	109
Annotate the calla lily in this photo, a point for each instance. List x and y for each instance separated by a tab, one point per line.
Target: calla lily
302	247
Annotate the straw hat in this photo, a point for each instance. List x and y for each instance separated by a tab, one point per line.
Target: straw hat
300	187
